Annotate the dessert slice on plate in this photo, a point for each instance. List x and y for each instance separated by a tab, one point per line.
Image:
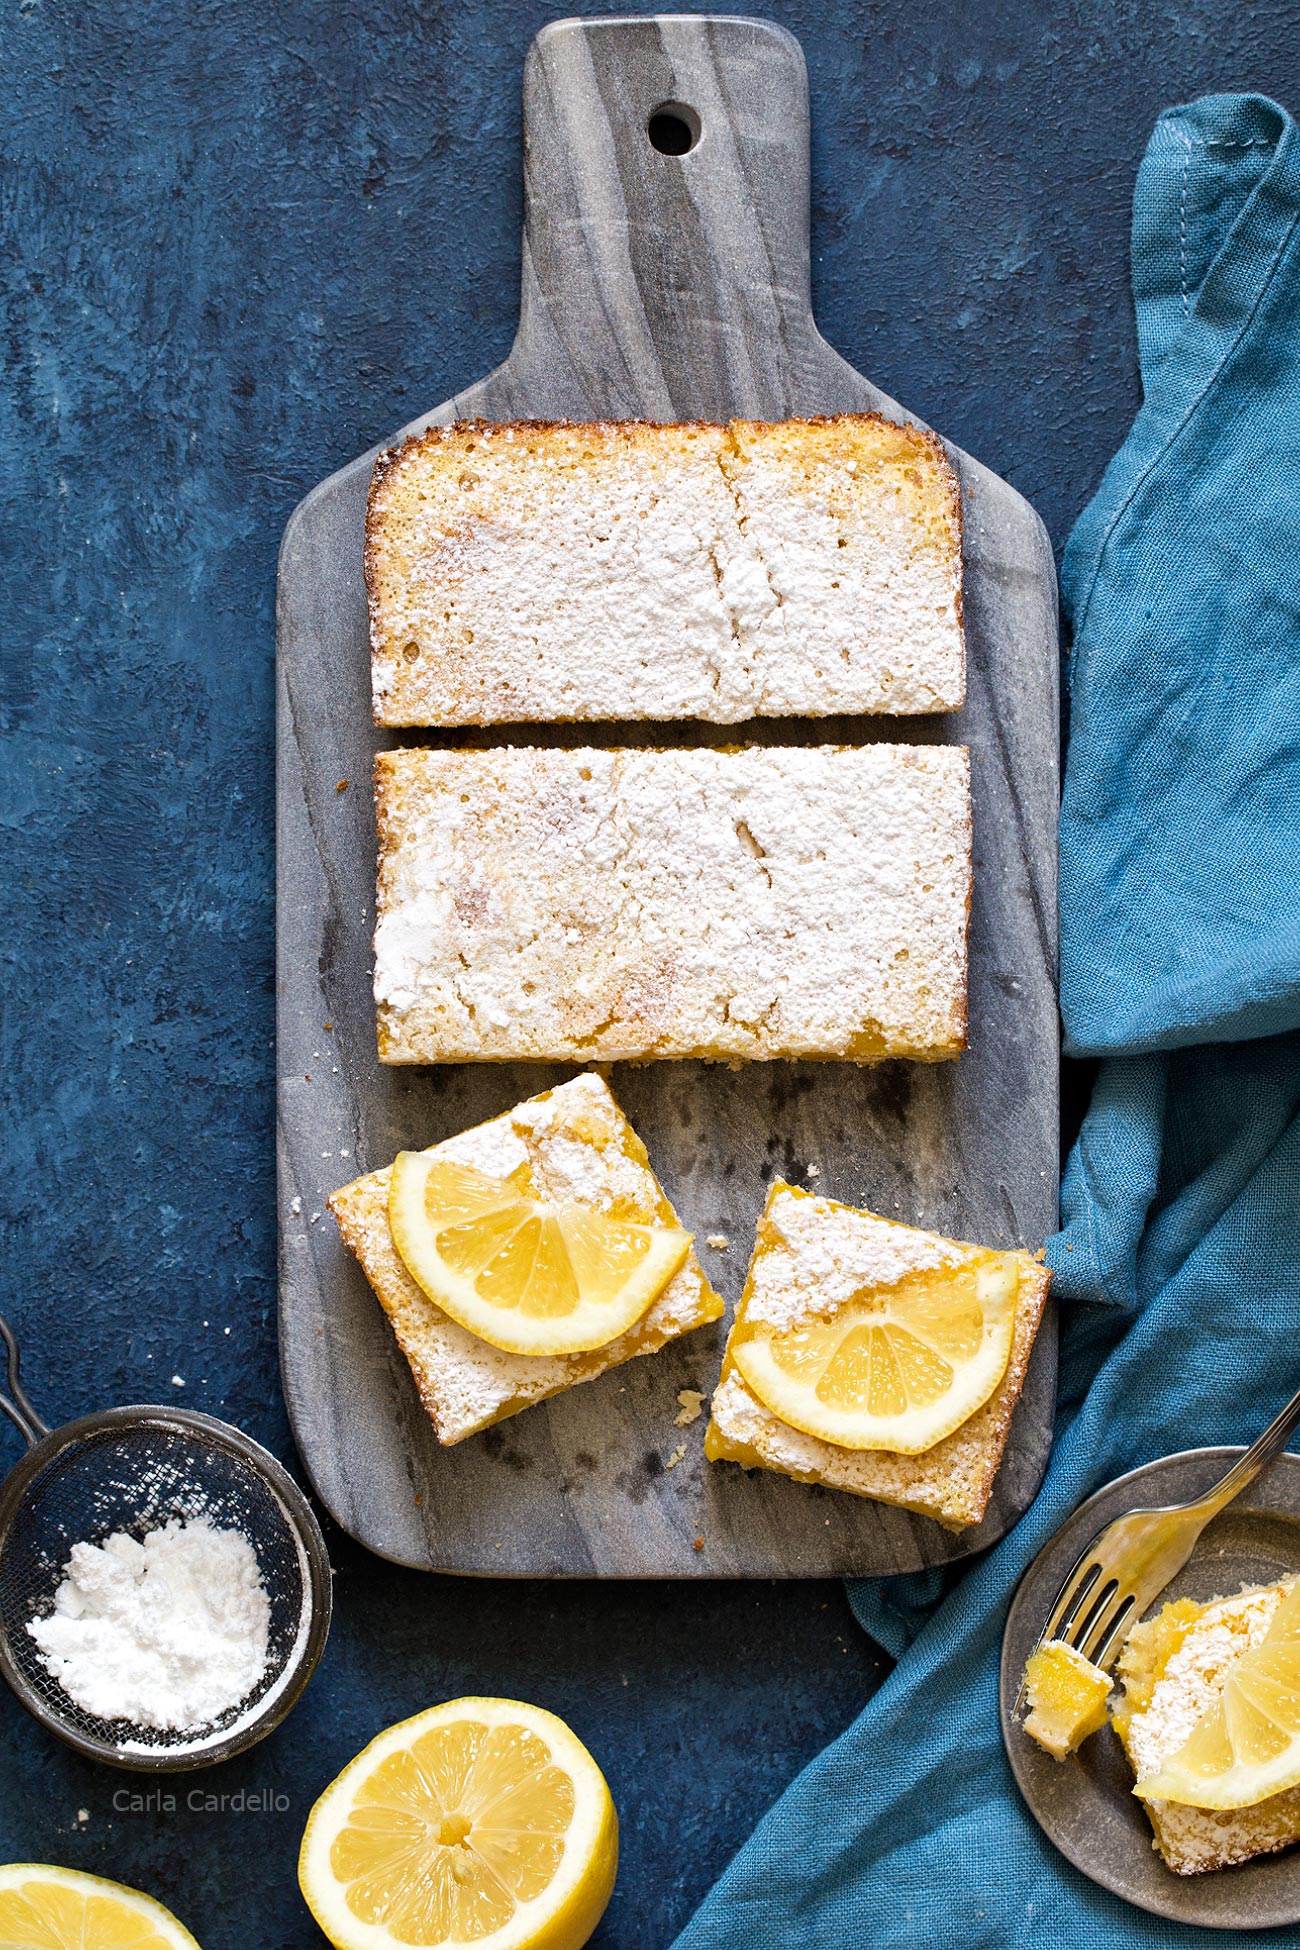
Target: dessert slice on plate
876	1358
1210	1721
523	1256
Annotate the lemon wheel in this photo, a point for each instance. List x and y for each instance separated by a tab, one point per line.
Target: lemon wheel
47	1908
1247	1747
523	1273
482	1822
896	1367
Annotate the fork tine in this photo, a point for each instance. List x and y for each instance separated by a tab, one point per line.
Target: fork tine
1085	1622
1102	1631
1073	1593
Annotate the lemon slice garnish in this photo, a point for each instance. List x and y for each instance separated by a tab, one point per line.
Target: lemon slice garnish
896	1367
481	1822
1247	1747
527	1274
47	1908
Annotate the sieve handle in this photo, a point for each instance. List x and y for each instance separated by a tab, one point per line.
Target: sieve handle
17	1404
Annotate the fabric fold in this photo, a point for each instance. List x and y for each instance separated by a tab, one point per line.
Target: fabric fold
1180	833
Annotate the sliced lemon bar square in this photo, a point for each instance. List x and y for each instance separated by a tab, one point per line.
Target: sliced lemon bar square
621	570
1177	1668
851	1325
584	905
572	1144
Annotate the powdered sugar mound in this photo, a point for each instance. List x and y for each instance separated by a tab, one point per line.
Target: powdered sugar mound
169	1631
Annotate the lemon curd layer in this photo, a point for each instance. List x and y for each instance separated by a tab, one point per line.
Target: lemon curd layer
1067	1698
1175	1667
575	1145
905	1314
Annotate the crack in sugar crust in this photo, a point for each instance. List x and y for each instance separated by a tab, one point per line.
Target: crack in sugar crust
553	572
464	1383
619	904
1193	1840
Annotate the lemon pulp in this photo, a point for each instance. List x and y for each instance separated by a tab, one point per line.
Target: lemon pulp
529	1275
483	1822
1247	1747
896	1367
47	1908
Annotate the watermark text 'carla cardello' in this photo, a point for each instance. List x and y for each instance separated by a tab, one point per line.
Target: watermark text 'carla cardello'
201	1801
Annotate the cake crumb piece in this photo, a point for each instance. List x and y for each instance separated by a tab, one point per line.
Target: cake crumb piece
814	1171
676	1456
690	1402
719	1241
698	1545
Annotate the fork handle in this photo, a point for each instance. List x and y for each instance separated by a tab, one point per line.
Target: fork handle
1260	1453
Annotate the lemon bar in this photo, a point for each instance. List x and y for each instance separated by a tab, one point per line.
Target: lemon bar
544	572
576	906
1174	1667
813	1258
578	1145
1067	1697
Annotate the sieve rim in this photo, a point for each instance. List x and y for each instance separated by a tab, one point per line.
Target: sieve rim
318	1584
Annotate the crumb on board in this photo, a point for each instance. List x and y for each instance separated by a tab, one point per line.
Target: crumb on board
814	1171
689	1404
1041	1254
342	786
718	1241
676	1456
698	1545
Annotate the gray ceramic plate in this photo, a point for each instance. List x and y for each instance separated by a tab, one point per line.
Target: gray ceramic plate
1085	1804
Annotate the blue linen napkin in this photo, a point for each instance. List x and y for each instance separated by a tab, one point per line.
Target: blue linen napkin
1179	1257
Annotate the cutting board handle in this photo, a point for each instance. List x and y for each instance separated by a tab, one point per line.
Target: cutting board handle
667	154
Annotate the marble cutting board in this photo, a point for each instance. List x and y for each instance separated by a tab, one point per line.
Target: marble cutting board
665	286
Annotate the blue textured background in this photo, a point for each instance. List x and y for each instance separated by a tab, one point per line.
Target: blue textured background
241	242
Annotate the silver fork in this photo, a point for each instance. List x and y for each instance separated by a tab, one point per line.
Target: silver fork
1130	1561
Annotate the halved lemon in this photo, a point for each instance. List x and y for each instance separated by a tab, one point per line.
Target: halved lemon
897	1367
1247	1747
481	1822
529	1275
47	1908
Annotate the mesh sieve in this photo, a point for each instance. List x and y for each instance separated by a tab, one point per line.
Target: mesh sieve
132	1469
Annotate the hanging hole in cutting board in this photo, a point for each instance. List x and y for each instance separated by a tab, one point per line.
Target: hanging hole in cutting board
673	129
